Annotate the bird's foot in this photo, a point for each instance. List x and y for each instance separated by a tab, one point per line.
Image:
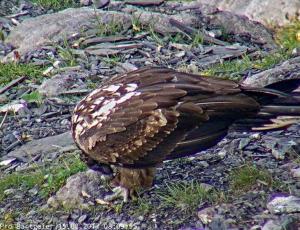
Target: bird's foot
119	192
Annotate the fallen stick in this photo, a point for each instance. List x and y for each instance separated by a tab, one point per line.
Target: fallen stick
12	84
3	120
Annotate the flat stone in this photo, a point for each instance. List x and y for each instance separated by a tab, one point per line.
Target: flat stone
43	146
284	204
62	82
296	172
46	29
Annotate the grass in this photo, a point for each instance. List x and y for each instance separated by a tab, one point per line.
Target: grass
11	71
55	4
142	207
66	54
156	37
104	29
233	69
289	36
248	177
112	60
48	178
34	96
185	196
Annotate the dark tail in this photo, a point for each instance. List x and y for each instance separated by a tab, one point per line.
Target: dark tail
280	107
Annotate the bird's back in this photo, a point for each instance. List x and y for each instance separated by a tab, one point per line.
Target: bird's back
146	116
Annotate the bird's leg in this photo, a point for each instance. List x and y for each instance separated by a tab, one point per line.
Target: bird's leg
129	181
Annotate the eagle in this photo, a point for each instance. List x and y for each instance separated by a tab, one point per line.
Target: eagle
137	120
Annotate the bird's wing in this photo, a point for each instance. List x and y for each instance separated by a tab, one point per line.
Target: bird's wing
138	119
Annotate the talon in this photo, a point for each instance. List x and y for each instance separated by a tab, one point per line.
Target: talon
118	192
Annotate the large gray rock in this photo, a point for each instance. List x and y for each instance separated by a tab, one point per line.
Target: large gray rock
289	69
78	188
36	32
230	22
47	145
268	12
284	204
62	82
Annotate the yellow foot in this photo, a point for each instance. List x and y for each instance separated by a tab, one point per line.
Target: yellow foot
118	192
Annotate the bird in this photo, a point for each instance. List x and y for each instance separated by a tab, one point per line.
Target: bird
135	121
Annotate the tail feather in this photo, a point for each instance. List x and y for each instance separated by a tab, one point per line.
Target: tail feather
280	107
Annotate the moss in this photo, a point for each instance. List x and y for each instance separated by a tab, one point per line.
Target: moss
11	71
48	178
34	96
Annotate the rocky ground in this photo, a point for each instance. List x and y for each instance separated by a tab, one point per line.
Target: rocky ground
54	57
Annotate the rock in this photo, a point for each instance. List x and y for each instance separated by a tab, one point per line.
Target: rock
207	187
3	99
206	215
60	83
284	223
253	31
101	3
268	12
289	69
70	196
82	218
162	21
85	2
296	172
8	7
284	204
36	32
43	146
280	147
257	33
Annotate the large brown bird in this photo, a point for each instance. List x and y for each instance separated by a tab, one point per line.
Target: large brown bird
137	120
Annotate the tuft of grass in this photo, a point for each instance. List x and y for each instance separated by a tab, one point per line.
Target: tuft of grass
156	37
271	60
11	71
185	196
289	36
113	27
55	4
233	70
112	60
248	177
197	39
33	97
66	54
137	26
48	178
143	207
229	69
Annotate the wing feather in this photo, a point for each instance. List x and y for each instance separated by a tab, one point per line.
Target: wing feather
148	115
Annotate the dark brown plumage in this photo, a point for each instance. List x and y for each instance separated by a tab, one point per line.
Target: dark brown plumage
138	120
